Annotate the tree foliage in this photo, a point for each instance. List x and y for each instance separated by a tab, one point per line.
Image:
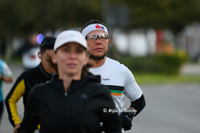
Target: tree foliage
160	14
21	16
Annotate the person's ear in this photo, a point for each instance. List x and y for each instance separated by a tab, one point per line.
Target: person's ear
39	55
53	58
108	41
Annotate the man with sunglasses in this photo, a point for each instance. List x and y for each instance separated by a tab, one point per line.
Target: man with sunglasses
25	82
117	77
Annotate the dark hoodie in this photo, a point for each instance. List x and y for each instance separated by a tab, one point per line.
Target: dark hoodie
80	110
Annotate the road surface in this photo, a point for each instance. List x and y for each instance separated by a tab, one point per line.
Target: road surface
171	108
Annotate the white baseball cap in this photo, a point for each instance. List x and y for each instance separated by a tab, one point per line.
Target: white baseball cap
70	36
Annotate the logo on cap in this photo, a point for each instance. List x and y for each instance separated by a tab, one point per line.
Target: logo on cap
98	27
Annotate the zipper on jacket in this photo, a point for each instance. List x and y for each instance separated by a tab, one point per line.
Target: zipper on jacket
65	94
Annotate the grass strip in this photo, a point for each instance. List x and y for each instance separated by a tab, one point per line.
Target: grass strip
164	79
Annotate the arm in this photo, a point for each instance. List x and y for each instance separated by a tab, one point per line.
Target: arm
133	92
31	119
138	105
16	92
135	108
6	79
6	73
135	95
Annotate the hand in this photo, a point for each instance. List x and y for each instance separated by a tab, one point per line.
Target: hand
126	118
16	127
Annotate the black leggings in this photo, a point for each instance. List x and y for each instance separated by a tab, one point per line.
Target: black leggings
1	110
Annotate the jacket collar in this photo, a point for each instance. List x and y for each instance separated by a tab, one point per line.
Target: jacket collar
41	69
57	84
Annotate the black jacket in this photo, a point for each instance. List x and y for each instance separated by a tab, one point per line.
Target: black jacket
86	104
21	88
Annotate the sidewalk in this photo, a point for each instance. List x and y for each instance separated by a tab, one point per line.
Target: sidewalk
190	69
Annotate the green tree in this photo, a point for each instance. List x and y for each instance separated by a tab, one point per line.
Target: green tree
19	17
161	14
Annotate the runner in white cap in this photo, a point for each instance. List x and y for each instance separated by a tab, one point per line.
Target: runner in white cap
117	77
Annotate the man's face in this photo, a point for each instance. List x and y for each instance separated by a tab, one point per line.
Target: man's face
45	63
98	47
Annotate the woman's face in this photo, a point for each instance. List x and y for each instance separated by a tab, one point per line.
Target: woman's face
70	59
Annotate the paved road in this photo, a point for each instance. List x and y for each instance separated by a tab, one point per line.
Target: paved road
171	108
